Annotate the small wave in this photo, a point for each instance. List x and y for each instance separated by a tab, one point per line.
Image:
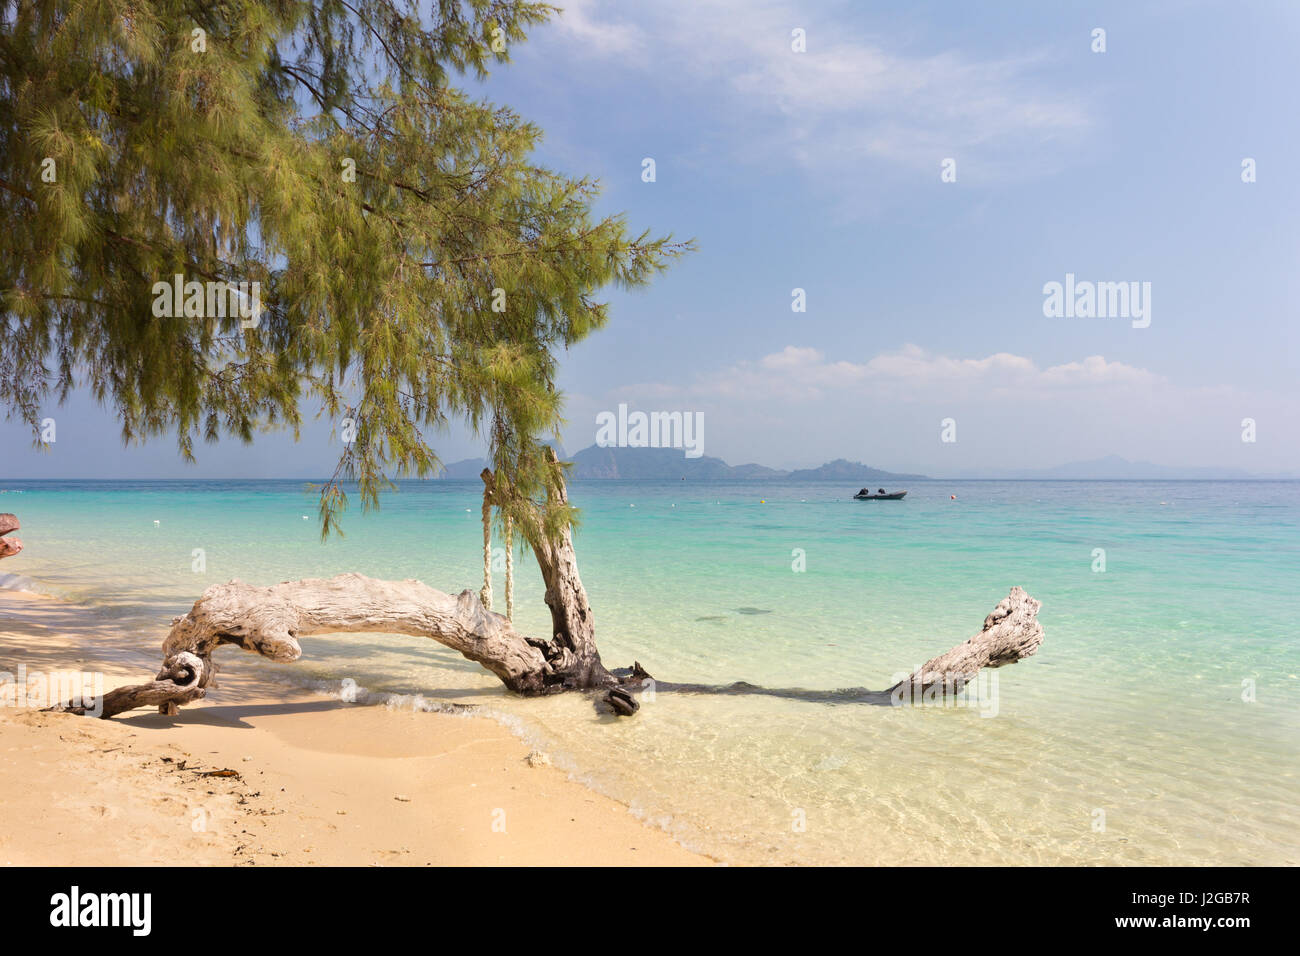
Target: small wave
349	691
17	582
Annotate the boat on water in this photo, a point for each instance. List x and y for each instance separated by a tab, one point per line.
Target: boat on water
866	495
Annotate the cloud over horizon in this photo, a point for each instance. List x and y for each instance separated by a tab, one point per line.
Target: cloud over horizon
800	373
798	407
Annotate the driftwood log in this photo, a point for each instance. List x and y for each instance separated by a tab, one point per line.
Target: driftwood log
270	620
177	683
9	546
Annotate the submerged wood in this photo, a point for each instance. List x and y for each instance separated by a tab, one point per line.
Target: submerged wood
1011	633
9	546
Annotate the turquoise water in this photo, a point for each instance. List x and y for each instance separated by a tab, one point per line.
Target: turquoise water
1125	740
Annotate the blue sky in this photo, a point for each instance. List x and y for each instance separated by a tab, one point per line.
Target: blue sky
820	170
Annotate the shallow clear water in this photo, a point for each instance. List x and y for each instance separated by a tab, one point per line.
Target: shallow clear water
1125	740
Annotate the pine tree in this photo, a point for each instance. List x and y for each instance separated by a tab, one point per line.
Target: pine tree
414	266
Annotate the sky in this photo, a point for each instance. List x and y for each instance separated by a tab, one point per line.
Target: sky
824	170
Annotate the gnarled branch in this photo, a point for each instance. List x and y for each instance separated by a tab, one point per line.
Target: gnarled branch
177	683
1011	632
270	620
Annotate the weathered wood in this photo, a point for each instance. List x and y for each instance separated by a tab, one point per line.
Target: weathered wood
621	702
571	653
177	683
270	620
9	546
1011	633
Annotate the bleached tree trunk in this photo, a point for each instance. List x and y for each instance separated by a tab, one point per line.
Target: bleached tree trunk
270	621
571	652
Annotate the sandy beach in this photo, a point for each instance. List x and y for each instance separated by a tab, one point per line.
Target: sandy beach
268	774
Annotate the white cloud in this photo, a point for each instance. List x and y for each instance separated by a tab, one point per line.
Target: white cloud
598	32
911	373
791	357
1095	370
797	407
849	97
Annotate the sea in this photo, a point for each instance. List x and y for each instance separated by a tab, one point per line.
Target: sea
1159	723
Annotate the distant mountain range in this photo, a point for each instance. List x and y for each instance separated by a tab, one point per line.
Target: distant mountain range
670	464
1115	468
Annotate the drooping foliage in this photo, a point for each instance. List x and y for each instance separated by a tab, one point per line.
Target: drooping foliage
415	265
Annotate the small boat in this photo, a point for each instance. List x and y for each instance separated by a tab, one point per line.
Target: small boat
866	495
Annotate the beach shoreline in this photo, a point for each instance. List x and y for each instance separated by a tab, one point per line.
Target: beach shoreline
265	773
1137	688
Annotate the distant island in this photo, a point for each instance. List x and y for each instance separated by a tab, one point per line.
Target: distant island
669	464
1115	468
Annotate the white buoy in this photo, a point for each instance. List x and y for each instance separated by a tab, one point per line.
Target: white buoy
156	522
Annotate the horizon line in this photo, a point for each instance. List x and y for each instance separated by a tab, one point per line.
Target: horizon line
911	477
